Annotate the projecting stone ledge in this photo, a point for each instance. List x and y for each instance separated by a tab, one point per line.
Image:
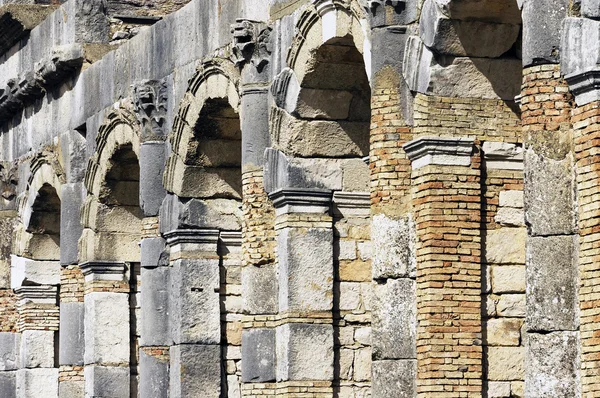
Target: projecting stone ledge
17	20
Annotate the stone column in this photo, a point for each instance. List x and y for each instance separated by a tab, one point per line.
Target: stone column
195	313
304	328
107	330
447	203
38	323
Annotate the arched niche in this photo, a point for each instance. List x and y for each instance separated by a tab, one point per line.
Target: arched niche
38	232
111	214
206	138
321	117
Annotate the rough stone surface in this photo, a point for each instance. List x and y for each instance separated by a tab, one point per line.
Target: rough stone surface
508	279
104	381
8	384
506	363
552	284
259	356
31	381
9	351
395	378
504	331
393	247
37	349
70	222
542	22
71	339
194	368
506	246
154	376
552	365
155	307
25	272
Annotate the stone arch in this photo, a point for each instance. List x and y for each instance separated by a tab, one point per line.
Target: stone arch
208	118
111	215
38	233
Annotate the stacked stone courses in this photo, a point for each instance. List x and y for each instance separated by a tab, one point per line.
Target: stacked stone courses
299	198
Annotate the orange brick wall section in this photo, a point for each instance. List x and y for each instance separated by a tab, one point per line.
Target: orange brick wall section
447	203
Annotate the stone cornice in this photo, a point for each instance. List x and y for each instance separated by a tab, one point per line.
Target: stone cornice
301	200
200	236
17	20
37	294
585	86
103	270
439	151
231	238
352	203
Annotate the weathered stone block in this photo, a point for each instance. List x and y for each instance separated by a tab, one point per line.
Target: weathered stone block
552	283
9	351
542	30
155	308
152	251
549	195
511	199
506	363
511	305
8	384
71	201
154	376
394	244
106	328
505	246
259	289
305	269
31	381
552	365
504	331
106	381
580	44
194	301
304	352
510	217
195	368
25	271
590	8
498	389
152	165
258	353
394	320
71	389
37	349
395	378
508	279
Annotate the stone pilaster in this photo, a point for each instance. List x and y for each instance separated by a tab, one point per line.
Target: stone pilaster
195	313
107	329
304	326
552	354
447	203
38	323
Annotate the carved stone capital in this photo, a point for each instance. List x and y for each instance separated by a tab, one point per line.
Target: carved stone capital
251	43
150	106
585	86
301	200
103	271
439	151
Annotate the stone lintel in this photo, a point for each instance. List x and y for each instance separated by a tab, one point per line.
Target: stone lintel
585	86
17	20
502	155
352	203
439	151
103	270
37	294
301	200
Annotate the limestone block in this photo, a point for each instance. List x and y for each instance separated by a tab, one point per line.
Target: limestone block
505	246
152	165
503	156
195	368
349	298
259	289
508	279
194	305
395	378
365	250
549	195
511	305
222	214
346	250
71	389
498	389
362	364
552	365
258	353
106	328
152	252
324	104
590	8
346	364
25	271
504	331
304	352
155	307
394	320
8	384
580	44
510	217
393	247
464	38
506	363
233	387
71	201
154	376
355	271
511	199
355	175
363	336
37	349
542	30
9	351
552	283
305	269
31	381
497	11
106	381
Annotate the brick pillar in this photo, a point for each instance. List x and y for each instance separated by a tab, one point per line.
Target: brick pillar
107	329
304	325
586	123
447	204
195	313
38	323
393	237
552	320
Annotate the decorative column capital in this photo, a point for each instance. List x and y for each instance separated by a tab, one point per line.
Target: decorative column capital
190	241
103	271
439	151
37	294
585	86
301	200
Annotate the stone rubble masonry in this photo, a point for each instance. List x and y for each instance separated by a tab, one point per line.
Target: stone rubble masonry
553	279
586	125
447	203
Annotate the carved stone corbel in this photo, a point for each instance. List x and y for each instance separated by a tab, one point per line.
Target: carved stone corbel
150	106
